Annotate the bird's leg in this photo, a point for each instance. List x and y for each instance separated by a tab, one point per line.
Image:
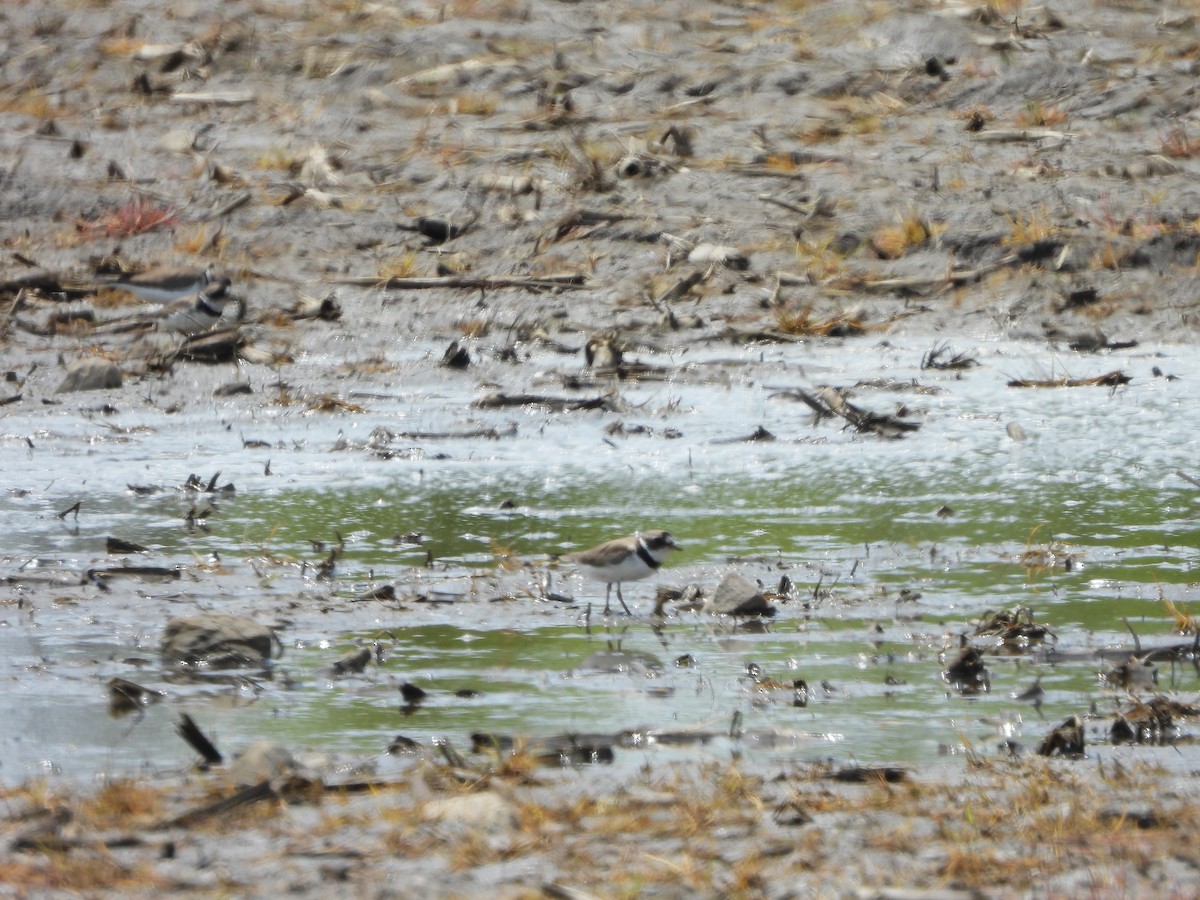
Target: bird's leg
607	594
622	599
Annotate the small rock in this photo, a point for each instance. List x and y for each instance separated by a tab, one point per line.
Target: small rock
1066	740
217	641
401	744
634	661
262	761
180	140
967	672
127	696
90	374
707	254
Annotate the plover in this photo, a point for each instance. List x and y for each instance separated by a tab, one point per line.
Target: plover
196	313
624	559
163	285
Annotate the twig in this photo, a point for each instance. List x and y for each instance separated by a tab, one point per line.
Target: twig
482	282
187	729
256	792
229	207
1188	478
1112	379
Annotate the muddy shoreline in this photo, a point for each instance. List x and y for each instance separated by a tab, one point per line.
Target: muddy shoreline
525	184
1009	829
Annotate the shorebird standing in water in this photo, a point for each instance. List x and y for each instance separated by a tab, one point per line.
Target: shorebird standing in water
624	559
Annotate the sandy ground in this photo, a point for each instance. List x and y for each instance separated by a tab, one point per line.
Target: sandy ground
665	174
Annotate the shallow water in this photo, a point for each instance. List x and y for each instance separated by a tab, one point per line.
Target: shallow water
850	520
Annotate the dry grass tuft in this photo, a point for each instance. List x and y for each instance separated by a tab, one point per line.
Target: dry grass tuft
1177	145
521	766
1049	556
474	328
33	103
275	159
402	266
1028	230
122	45
76	874
1184	623
477	104
781	162
375	364
506	558
803	322
330	403
119	801
1038	115
821	260
895	241
198	242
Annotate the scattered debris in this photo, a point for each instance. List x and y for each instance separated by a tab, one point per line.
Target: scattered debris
1153	722
940	357
1015	627
967	673
1066	740
143	573
552	281
1112	379
125	696
383	592
499	400
352	663
870	774
829	402
117	545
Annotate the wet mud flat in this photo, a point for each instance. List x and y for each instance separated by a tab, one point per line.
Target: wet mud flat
583	209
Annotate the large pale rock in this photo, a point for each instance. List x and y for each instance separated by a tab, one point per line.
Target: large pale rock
486	810
262	761
216	641
90	374
737	595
